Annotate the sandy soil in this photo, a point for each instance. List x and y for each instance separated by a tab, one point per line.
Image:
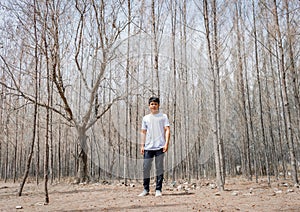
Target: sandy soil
239	195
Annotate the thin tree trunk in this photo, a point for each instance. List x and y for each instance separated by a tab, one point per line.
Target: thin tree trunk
173	65
294	74
128	103
213	65
274	151
154	38
46	151
289	128
241	86
37	159
218	95
59	159
2	103
278	127
35	106
260	98
186	91
37	162
251	128
15	147
49	74
6	146
50	141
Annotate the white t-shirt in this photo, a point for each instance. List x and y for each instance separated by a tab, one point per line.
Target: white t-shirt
155	125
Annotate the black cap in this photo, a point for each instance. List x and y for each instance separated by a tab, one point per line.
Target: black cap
153	99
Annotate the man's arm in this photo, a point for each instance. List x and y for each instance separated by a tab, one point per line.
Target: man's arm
143	139
167	138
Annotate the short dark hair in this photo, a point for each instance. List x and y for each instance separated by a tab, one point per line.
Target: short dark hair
153	99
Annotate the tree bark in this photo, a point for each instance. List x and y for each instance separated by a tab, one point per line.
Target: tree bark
242	99
214	68
46	150
174	72
35	105
262	125
294	72
156	84
289	129
82	172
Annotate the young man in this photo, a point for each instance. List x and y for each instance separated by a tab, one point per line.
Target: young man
155	136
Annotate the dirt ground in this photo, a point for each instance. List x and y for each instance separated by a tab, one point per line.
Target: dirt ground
239	195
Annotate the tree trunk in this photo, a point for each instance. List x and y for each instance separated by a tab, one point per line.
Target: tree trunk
214	67
260	98
242	98
128	103
15	148
35	105
6	148
173	65
46	150
294	72
186	101
82	172
50	141
59	155
289	128
255	162
218	95
156	84
1	127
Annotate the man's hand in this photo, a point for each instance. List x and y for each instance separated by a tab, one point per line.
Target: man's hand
142	149
167	137
143	139
165	149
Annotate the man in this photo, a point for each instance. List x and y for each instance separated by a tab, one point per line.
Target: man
155	136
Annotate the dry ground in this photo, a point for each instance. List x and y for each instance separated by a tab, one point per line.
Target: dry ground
239	195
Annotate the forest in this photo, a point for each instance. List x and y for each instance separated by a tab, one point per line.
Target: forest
76	77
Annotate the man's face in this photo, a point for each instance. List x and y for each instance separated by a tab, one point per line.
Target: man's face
154	106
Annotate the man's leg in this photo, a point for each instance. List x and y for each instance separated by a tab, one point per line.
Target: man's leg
159	166
148	158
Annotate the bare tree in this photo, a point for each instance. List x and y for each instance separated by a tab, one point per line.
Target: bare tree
291	59
241	94
262	125
214	68
288	122
174	99
36	62
154	29
128	102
